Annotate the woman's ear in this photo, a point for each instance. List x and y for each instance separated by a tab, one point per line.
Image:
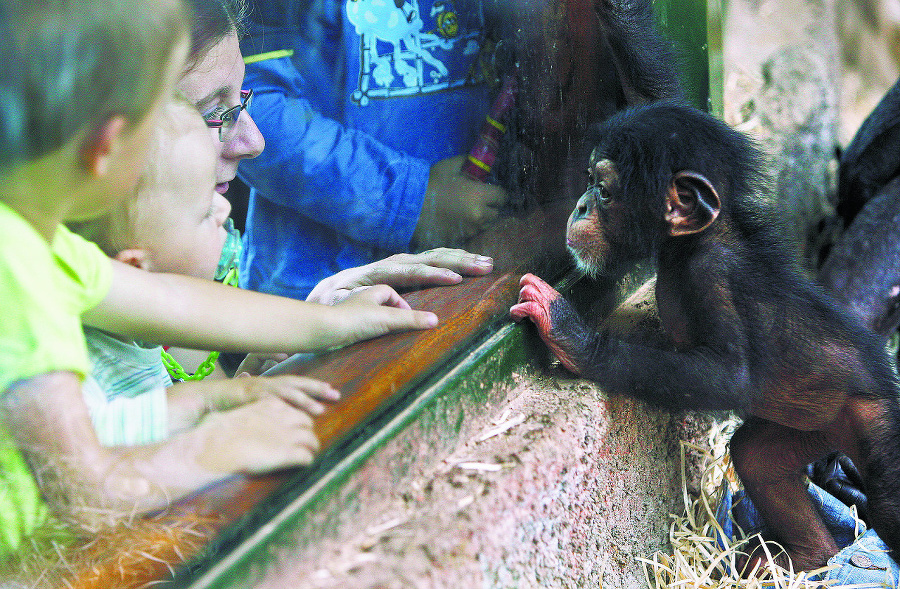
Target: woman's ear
100	145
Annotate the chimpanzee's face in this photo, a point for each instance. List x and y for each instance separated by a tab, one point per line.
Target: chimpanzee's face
595	226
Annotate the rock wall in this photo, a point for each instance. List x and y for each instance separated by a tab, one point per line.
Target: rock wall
556	485
782	87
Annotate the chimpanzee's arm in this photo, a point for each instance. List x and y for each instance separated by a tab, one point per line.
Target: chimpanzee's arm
700	378
642	57
870	161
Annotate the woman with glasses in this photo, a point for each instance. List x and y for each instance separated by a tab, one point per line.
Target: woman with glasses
366	107
213	81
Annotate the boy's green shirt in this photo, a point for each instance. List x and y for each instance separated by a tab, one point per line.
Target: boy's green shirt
44	289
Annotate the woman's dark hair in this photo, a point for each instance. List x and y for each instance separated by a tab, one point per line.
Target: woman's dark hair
212	21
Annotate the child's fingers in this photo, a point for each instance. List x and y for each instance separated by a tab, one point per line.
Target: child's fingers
403	320
317	388
378	321
258	437
290	416
255	364
380	294
296	447
297	442
297	456
379	310
384	295
301	392
306	440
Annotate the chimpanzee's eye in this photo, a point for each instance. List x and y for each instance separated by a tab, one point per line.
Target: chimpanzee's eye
601	194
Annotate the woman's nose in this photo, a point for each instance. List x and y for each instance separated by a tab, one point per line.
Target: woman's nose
247	142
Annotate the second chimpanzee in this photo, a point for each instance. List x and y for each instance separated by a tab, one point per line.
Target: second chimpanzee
750	332
576	62
862	270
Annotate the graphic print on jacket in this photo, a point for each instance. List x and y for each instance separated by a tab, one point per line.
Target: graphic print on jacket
405	51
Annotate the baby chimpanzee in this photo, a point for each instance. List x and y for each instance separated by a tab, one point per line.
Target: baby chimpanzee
674	184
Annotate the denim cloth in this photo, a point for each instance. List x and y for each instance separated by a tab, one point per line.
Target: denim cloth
862	561
352	129
864	564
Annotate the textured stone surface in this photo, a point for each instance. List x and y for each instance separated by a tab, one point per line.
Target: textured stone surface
570	493
782	88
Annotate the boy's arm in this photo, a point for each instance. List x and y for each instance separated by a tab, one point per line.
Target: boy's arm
202	314
48	418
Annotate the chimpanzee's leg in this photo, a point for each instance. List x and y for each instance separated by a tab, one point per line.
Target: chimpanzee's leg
873	430
770	460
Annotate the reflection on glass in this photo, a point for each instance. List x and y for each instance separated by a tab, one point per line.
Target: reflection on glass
379	128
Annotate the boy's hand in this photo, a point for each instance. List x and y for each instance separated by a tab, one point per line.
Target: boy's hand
299	391
256	364
435	267
190	402
258	437
377	310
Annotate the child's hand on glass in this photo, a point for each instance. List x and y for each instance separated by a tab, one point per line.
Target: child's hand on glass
373	311
299	391
256	364
193	401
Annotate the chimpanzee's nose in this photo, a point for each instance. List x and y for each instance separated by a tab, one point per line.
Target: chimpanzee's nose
581	209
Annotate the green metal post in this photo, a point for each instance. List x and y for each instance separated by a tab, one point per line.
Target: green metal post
695	27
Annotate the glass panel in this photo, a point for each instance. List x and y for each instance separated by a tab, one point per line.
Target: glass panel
405	126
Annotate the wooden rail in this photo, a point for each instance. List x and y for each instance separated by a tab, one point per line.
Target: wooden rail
369	375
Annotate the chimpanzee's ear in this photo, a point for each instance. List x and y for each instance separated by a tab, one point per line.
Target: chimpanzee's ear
691	203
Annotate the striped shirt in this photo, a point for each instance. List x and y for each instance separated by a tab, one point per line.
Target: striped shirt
126	391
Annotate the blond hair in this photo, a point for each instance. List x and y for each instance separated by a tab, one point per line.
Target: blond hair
69	65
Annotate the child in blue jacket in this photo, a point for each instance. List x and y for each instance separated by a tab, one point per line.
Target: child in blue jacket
366	108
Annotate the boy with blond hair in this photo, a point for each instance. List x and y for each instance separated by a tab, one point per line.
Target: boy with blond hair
82	85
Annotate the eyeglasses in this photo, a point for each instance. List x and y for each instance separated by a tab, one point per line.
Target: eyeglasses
226	120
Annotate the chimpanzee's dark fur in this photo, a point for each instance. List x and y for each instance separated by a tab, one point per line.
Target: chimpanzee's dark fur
862	270
871	160
678	186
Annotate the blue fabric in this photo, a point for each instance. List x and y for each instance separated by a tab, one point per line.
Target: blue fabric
349	145
864	564
862	560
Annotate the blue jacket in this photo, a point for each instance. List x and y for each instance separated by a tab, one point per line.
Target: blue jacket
372	95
